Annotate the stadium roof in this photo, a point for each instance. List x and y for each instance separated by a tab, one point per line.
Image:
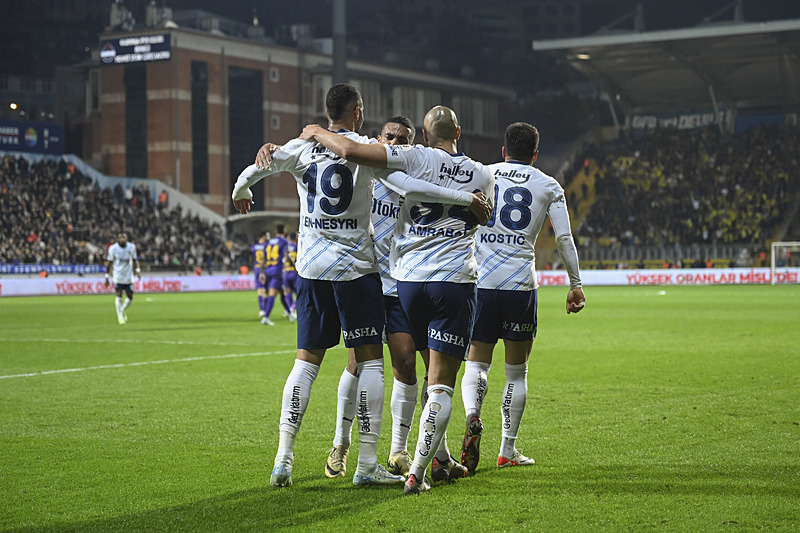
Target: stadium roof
733	65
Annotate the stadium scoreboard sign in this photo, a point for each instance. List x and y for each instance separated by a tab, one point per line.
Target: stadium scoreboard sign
135	49
35	137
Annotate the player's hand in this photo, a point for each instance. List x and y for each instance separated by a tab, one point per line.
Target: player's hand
480	208
575	300
107	282
264	156
262	277
309	132
243	205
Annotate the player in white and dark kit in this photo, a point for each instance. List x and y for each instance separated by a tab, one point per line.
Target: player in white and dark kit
122	259
338	287
507	286
398	130
434	263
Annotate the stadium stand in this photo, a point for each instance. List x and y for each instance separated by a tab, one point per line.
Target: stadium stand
689	189
52	213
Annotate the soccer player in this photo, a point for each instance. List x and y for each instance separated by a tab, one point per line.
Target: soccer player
122	257
338	287
507	286
398	130
258	260
434	263
272	267
290	275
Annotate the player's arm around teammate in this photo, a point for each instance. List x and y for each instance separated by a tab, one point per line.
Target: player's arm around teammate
374	155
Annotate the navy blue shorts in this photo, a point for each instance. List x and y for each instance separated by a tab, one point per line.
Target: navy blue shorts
440	314
507	315
127	287
328	309
396	321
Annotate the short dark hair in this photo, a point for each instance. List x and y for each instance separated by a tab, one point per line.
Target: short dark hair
279	229
340	99
521	141
404	121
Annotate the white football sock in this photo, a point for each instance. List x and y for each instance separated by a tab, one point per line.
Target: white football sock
474	385
403	404
118	304
345	408
512	405
296	394
432	427
126	304
369	406
443	452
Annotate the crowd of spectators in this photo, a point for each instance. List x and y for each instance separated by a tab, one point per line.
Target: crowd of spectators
694	187
50	213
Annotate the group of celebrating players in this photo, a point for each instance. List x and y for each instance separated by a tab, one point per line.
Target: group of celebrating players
426	250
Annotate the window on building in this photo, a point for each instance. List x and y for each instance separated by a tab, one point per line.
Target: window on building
94	92
200	127
274	75
135	80
246	120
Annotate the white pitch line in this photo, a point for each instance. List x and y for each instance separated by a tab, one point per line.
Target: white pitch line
143	363
133	341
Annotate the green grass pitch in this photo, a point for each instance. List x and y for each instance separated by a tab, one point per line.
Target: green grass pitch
655	409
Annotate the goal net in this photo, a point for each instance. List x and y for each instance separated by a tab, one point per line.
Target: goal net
784	255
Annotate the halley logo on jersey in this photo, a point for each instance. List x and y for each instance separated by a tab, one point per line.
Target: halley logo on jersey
511	174
455	173
358	333
446	337
324	152
429	429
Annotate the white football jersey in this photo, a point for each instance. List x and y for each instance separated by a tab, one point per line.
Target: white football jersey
122	262
523	196
435	241
335	233
385	208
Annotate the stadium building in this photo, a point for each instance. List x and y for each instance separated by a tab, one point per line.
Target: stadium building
189	99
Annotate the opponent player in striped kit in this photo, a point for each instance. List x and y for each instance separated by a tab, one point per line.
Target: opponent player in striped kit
434	263
386	204
336	263
507	286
